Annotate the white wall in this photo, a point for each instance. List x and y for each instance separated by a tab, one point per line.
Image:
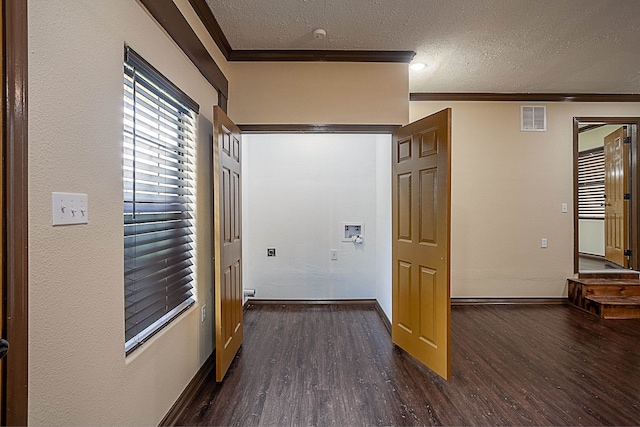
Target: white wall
383	223
507	189
591	237
297	190
78	373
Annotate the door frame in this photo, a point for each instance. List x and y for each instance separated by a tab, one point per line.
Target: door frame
634	172
15	217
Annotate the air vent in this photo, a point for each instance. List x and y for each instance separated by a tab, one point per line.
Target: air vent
533	118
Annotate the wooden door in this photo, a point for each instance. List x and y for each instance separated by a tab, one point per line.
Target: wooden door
421	237
615	187
227	240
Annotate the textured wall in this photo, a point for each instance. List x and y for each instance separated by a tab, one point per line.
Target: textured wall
507	190
319	92
78	373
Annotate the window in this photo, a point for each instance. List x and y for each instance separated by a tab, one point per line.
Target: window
158	183
591	184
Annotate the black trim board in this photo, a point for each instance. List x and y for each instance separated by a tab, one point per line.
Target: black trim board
317	128
523	97
187	396
257	301
15	138
211	24
502	301
388	56
170	18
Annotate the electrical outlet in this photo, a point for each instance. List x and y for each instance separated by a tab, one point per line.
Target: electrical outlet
543	243
334	254
203	312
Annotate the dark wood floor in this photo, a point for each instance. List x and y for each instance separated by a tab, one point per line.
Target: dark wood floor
511	365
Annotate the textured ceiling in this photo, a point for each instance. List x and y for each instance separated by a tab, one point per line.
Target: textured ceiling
522	46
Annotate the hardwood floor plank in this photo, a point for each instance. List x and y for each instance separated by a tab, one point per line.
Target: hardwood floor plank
332	365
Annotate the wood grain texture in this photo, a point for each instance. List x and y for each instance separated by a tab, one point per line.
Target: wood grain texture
16	232
511	365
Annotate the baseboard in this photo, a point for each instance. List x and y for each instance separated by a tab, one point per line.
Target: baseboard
495	301
189	392
256	301
383	316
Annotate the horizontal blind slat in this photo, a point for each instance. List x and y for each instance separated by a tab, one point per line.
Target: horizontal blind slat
158	190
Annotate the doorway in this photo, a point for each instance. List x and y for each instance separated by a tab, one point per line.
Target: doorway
605	183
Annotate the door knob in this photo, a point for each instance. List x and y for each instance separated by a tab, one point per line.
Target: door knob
4	348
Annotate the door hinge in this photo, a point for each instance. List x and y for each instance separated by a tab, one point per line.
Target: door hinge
627	252
627	140
627	196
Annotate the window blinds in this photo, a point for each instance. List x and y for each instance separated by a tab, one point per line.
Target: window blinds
158	184
591	184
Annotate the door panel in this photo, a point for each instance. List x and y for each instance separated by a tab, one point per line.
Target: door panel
227	240
421	236
615	187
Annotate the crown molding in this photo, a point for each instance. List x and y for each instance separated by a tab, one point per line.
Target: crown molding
170	18
524	97
317	128
211	24
397	56
203	11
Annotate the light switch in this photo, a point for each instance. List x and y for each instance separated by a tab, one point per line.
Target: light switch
334	254
69	208
565	208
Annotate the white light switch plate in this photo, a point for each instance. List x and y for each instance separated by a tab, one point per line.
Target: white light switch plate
69	208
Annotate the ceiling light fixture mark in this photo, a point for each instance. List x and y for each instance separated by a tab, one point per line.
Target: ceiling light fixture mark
319	33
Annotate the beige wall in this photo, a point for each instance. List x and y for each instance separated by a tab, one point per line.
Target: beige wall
78	373
507	191
319	93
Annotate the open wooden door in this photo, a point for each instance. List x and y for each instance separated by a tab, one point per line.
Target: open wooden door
421	237
616	175
227	240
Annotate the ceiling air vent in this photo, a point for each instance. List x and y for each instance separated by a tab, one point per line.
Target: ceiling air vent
533	118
